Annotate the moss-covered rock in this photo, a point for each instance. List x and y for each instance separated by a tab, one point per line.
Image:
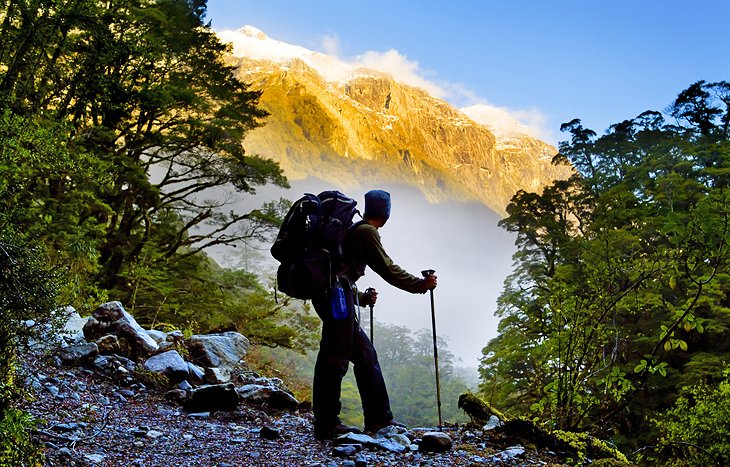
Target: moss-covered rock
590	447
478	410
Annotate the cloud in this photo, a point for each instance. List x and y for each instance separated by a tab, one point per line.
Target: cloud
401	69
331	45
504	121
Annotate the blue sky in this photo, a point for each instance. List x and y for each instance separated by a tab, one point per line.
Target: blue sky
548	61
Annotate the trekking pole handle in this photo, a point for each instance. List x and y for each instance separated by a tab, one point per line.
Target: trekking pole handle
428	272
370	290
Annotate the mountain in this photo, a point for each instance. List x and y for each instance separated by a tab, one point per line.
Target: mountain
357	126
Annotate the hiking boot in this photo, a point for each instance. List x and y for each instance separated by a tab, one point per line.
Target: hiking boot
374	428
330	433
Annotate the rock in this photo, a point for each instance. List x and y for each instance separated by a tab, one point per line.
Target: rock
390	430
158	336
270	433
435	441
355	438
79	354
175	336
225	350
65	427
170	364
109	345
112	318
196	373
369	441
73	329
94	458
210	398
493	423
217	375
507	455
400	439
176	396
185	386
272	397
345	450
154	434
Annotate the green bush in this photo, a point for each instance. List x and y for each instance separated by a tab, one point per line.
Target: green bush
696	430
28	290
16	446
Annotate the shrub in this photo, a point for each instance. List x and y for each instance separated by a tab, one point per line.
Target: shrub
697	428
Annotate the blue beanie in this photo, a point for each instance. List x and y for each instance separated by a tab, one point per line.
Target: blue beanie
377	204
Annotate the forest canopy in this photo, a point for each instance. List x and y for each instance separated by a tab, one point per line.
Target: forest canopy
618	304
119	120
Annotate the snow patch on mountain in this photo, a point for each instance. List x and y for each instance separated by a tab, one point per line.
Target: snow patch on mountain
251	42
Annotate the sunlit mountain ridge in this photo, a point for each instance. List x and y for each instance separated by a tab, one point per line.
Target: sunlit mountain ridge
354	126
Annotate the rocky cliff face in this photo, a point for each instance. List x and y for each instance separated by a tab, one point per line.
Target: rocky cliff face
371	129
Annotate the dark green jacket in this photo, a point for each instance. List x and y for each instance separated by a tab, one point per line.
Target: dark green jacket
363	248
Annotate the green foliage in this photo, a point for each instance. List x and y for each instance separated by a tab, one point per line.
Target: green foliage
28	291
121	153
696	429
619	294
16	446
193	291
590	447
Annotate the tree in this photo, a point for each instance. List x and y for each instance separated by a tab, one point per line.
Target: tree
618	272
143	87
406	359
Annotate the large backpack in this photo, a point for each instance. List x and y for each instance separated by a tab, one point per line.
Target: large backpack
310	241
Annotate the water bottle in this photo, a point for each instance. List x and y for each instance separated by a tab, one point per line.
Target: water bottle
338	302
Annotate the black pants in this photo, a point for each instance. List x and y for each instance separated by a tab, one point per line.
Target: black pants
343	341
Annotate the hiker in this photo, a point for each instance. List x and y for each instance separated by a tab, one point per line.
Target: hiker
344	341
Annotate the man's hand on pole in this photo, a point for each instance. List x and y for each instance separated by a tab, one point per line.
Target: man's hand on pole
431	281
372	295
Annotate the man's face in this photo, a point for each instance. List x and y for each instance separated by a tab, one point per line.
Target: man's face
377	222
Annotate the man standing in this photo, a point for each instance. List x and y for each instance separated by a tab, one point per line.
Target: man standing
343	340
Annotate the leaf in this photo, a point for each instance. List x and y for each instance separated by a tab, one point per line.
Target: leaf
667	346
683	345
640	367
673	282
687	326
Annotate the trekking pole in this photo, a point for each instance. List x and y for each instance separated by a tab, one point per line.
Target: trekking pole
427	273
370	290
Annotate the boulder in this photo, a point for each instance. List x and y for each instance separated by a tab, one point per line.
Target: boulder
225	350
170	364
270	396
112	318
73	329
435	441
196	373
217	375
79	354
492	423
212	397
